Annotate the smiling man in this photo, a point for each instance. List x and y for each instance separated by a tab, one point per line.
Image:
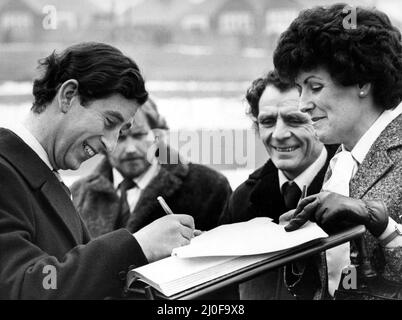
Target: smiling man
122	191
85	99
297	159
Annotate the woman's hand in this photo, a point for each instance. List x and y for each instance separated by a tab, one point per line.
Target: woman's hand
334	212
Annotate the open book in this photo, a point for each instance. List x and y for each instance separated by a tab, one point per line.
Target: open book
222	251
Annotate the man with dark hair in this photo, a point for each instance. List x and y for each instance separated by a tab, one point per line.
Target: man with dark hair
297	159
187	188
85	99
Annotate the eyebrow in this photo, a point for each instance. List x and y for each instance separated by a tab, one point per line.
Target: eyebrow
307	79
268	115
116	115
293	116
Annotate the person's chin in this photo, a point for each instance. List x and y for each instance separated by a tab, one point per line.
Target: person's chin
323	132
285	164
325	136
133	171
73	163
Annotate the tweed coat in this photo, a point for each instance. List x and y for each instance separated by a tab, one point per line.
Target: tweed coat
190	189
379	177
41	231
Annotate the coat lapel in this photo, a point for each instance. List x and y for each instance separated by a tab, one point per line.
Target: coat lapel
266	198
64	208
377	162
99	197
41	178
165	184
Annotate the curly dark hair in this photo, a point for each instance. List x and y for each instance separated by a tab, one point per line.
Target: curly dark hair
257	88
100	69
370	53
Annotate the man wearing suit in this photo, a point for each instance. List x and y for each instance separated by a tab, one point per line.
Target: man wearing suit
297	159
85	98
151	170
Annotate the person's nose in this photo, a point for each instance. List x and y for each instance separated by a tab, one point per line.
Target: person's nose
306	105
281	131
109	140
130	145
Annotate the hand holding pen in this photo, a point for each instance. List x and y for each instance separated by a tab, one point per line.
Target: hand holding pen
169	212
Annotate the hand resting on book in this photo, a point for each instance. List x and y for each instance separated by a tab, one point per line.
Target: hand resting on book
334	212
286	217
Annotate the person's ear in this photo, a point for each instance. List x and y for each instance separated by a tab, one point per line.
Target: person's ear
364	90
67	92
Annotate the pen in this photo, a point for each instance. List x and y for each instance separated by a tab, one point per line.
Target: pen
169	212
164	206
304	192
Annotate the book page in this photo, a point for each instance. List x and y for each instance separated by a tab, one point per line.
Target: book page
173	275
257	236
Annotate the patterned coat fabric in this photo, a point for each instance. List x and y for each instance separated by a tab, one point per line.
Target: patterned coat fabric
379	177
187	188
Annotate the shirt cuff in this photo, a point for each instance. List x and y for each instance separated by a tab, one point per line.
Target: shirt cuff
390	229
396	240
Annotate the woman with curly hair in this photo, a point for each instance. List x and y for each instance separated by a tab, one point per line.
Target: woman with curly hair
350	83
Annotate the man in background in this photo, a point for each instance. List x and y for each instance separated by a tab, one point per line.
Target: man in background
296	159
85	98
122	191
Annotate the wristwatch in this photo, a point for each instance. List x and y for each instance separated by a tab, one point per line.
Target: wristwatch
397	232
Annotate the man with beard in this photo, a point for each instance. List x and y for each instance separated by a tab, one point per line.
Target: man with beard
122	192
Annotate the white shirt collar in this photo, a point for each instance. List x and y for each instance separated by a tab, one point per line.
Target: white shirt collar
363	146
142	181
32	142
308	175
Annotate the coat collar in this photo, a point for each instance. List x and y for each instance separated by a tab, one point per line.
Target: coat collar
39	177
265	197
378	161
166	183
266	193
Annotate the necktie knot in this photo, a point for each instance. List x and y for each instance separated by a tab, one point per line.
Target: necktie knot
126	184
291	194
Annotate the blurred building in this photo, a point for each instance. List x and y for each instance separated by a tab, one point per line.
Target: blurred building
36	20
244	19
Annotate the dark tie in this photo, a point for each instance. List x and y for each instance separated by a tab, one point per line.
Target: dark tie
65	188
291	194
124	208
